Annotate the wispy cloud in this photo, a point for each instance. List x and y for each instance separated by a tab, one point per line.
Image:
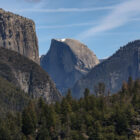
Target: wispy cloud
64	10
32	0
119	16
66	25
76	25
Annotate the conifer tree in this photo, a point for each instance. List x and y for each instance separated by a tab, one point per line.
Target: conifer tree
29	119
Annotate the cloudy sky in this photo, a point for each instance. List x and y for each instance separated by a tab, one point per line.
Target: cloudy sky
103	25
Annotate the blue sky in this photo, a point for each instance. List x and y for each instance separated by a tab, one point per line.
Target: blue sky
103	25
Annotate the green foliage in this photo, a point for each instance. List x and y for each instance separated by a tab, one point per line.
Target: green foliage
100	89
11	97
29	119
89	118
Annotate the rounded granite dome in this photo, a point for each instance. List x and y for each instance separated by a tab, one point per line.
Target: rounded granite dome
81	51
67	61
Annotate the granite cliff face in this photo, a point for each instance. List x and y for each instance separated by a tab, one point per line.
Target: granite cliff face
27	75
18	34
113	71
67	61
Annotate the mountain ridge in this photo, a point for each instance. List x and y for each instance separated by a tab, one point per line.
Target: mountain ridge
113	71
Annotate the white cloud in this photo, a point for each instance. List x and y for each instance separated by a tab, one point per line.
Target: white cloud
40	10
119	16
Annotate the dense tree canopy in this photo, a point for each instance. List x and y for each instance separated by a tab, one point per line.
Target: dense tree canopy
89	118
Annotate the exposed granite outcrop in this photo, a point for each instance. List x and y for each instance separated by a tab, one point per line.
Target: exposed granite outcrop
67	61
18	34
113	71
27	75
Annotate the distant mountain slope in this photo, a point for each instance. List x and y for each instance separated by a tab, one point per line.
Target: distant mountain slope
113	71
11	98
102	60
27	75
18	33
67	61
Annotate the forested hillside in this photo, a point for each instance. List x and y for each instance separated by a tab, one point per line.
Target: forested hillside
92	117
11	98
27	75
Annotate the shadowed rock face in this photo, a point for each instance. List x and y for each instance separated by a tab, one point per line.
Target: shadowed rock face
18	34
67	61
113	71
27	75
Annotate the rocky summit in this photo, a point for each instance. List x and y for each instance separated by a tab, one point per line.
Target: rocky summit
27	75
18	34
67	61
112	72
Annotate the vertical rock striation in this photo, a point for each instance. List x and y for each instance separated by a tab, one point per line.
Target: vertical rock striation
18	34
